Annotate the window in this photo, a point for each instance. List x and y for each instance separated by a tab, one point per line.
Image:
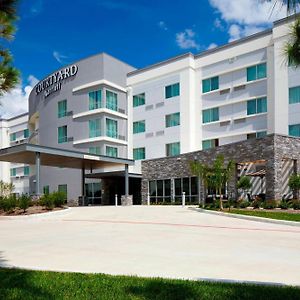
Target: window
46	190
294	95
189	185
95	99
13	137
13	172
210	115
139	153
256	135
257	72
173	120
62	134
111	100
139	126
26	133
210	84
173	149
257	106
94	128
111	128
111	151
160	191
63	188
138	100
294	130
26	171
208	144
172	90
94	150
62	108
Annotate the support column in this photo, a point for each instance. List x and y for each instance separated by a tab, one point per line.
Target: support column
232	184
126	181
273	179
38	172
83	181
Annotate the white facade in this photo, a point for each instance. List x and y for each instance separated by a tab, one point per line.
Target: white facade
235	122
13	132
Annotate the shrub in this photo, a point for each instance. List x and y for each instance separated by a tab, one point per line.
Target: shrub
244	204
296	205
47	201
59	198
283	204
269	205
256	203
24	202
9	203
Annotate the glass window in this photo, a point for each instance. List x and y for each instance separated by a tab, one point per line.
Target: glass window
173	149
257	106
94	128
13	137
111	151
111	100
94	150
172	90
13	172
261	134
160	188
173	120
46	190
167	187
208	144
294	95
139	153
112	128
210	84
210	115
62	134
26	171
186	185
294	130
152	188
139	126
26	133
95	99
62	108
178	186
63	188
257	72
139	100
194	186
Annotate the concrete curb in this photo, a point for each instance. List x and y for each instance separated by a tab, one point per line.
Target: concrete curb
40	215
250	218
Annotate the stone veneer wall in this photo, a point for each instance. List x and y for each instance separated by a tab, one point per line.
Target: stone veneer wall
272	148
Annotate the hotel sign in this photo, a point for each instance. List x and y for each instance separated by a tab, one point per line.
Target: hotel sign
53	82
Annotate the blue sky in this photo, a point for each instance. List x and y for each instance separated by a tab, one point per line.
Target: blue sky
52	33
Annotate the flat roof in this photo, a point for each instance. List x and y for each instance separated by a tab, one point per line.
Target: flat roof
54	157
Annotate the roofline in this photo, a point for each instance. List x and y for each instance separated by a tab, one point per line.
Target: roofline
15	117
164	62
220	48
79	60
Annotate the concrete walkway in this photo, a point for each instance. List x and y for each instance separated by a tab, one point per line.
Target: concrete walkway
163	241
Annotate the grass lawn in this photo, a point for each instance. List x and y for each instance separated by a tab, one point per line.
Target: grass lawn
21	284
278	215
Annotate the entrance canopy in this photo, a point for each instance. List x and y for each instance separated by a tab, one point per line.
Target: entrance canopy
53	157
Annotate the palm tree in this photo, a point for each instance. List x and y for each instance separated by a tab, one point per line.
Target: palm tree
9	76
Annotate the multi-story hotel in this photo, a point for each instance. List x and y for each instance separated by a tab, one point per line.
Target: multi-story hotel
99	105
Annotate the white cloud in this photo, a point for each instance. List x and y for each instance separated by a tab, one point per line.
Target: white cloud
163	25
16	101
186	39
59	57
246	17
212	46
218	24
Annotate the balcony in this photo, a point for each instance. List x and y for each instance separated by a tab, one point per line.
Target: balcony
103	110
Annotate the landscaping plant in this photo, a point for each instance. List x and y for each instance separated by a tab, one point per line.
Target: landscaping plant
294	184
24	202
47	201
244	184
59	198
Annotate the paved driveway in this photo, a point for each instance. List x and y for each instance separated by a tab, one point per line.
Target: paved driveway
162	241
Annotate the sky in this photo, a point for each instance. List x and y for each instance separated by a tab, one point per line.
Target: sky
53	33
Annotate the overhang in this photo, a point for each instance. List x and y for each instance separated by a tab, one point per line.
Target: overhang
54	157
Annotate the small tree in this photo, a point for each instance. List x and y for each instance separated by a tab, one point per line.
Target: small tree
294	184
6	189
24	202
221	175
244	184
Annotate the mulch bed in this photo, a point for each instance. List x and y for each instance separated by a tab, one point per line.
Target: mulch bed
31	210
